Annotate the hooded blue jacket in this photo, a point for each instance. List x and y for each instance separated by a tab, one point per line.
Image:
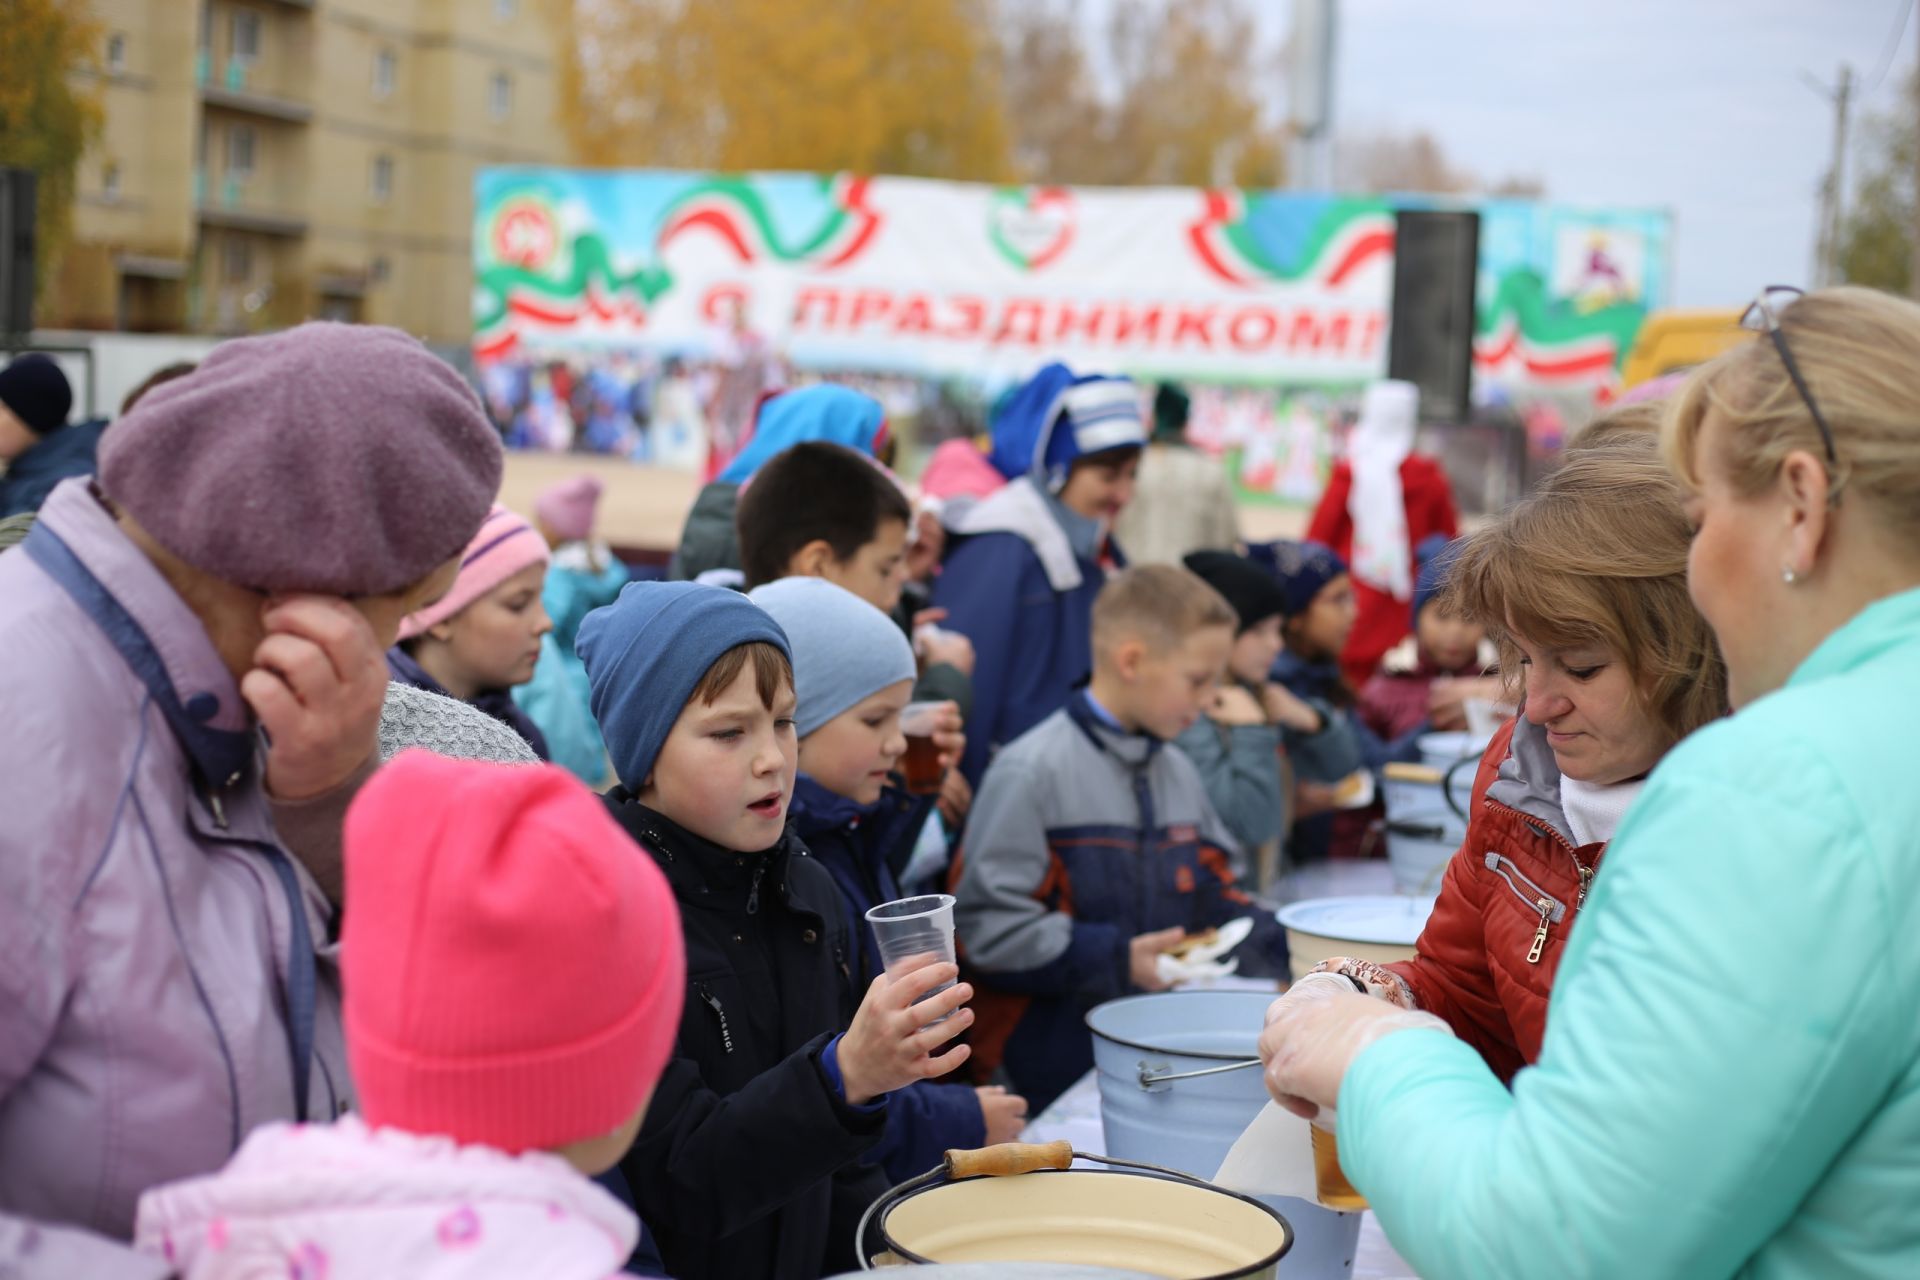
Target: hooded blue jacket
1023	570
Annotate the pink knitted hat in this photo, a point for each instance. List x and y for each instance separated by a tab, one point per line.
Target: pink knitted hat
505	545
512	962
567	508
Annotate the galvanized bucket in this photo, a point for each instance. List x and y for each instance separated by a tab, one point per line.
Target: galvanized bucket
1180	1080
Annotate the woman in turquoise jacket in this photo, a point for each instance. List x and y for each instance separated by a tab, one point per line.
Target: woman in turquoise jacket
1730	1080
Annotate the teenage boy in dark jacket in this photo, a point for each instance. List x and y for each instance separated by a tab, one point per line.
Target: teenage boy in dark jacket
749	1162
1025	565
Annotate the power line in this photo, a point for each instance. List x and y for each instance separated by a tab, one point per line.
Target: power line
1892	46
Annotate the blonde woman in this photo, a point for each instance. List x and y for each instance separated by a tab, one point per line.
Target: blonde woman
1730	1081
1584	588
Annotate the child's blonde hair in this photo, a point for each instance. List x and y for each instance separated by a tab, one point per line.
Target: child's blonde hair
1859	351
1160	605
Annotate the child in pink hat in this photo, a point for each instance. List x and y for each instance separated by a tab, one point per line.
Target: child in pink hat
484	637
513	972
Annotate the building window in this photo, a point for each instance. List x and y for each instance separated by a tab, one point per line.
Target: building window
240	151
381	182
236	260
385	68
116	52
246	35
500	95
110	181
503	10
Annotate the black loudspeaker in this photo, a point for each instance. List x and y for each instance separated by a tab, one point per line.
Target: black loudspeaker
1430	342
18	189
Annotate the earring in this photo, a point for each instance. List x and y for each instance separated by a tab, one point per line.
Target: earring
1788	576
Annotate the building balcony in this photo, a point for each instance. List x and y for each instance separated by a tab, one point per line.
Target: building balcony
234	205
236	88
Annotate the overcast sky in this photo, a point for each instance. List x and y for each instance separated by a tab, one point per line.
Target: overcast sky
1696	106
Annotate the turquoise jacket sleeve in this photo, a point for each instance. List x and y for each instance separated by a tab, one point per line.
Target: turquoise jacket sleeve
1717	1037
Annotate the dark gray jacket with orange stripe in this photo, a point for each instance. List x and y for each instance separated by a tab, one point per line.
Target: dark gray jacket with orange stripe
1083	837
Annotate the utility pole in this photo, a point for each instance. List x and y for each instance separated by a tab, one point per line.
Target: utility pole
1826	269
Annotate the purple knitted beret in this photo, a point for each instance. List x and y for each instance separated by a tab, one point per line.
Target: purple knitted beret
332	458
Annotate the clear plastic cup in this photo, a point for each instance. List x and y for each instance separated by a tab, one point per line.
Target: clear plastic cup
913	933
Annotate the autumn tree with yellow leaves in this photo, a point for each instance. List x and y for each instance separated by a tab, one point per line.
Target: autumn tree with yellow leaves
48	114
983	90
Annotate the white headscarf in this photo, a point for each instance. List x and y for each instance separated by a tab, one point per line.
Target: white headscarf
1381	441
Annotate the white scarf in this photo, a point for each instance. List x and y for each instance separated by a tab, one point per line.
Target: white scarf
1593	812
1381	441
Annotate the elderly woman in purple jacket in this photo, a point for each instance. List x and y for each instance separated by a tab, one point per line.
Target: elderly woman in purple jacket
193	680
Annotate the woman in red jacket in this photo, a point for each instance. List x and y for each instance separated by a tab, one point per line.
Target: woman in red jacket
1381	502
1583	586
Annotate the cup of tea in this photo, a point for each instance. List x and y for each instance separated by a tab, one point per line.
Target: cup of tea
921	765
1330	1180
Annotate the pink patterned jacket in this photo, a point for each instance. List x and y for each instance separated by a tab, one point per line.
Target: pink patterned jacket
344	1202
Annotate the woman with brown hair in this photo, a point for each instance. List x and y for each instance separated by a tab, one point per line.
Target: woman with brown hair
1730	1079
1583	587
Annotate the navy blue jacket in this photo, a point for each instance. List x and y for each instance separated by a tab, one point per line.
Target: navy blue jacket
58	456
497	703
1032	645
853	842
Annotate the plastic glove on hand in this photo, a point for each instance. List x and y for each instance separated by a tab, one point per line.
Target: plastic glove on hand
1381	982
1314	1033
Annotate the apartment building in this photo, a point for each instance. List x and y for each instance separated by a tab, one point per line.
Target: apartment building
264	161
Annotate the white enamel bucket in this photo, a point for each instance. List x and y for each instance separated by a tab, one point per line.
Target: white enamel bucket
1172	1094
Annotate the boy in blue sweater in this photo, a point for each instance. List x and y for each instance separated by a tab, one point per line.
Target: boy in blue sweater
1027	563
853	674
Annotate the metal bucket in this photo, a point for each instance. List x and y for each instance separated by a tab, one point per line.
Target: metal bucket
1176	1088
1426	821
1377	927
1022	1206
1442	750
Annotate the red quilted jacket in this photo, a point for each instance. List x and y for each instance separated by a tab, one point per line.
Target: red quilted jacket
1493	943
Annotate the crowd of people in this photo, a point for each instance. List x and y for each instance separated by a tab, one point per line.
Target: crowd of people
392	886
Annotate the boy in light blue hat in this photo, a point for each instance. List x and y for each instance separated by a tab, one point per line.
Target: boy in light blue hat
1026	564
854	671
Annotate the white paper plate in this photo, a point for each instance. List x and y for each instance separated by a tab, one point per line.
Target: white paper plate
1362	797
1393	920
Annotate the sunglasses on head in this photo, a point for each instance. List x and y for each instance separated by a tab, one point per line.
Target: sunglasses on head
1764	317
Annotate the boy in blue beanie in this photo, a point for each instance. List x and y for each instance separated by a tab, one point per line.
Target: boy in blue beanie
854	673
1026	564
749	1163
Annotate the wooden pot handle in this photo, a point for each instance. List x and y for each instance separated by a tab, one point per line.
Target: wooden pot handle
1009	1158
